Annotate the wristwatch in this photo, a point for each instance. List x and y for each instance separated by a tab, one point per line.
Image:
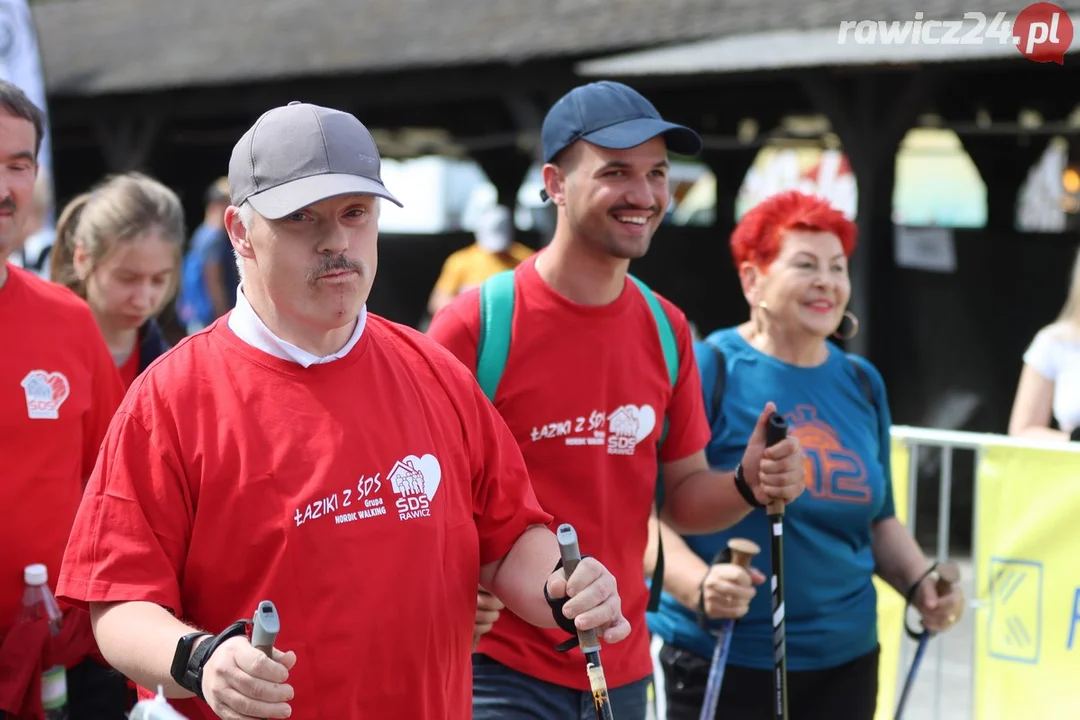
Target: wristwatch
184	666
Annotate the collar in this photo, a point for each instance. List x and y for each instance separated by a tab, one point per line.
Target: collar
251	329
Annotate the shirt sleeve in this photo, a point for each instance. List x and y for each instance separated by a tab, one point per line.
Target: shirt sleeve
107	393
688	428
131	533
450	278
504	504
1042	355
457	328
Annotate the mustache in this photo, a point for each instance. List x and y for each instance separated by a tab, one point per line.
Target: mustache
7	204
336	263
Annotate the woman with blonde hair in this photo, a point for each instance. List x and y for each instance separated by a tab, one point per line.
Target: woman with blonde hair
1050	380
118	247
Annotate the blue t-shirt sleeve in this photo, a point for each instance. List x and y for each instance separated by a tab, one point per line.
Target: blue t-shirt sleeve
884	416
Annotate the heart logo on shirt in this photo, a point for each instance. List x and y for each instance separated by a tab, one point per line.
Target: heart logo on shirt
45	393
633	421
429	467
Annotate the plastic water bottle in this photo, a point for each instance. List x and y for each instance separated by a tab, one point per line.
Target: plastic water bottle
156	709
39	602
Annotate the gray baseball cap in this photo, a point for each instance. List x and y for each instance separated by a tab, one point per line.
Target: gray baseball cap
300	154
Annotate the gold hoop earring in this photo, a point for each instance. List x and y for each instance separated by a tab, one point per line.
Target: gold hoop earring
850	316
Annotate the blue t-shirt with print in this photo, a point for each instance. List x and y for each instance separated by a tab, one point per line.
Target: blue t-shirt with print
830	600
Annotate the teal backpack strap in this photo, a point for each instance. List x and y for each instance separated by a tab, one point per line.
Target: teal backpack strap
496	320
671	359
663	326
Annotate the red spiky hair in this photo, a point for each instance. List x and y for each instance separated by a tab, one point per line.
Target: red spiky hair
760	232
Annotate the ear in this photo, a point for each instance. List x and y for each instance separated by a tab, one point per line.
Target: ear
238	234
750	279
554	183
81	262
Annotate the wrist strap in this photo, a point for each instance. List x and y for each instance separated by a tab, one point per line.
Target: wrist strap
193	676
744	489
561	620
909	597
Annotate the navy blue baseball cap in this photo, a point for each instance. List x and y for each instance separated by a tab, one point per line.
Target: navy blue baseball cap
613	116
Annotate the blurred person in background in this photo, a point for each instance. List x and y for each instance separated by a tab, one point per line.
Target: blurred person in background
58	391
1049	386
494	251
209	277
118	247
33	249
791	252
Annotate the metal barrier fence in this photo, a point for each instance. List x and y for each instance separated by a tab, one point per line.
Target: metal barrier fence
930	450
935	695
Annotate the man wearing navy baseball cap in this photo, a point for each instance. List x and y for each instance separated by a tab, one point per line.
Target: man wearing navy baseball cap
595	375
303	451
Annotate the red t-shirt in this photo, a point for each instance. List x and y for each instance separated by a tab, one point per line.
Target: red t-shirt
130	369
58	390
361	496
585	392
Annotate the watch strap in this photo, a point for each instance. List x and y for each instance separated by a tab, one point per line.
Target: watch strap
182	656
193	674
744	488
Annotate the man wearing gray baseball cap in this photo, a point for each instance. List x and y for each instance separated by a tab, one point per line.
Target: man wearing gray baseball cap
303	451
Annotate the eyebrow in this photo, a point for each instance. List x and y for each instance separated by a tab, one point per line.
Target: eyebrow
23	155
623	165
838	256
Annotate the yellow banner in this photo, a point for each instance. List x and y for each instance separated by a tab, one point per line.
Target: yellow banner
1027	643
890	603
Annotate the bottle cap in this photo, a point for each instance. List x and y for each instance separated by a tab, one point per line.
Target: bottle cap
36	574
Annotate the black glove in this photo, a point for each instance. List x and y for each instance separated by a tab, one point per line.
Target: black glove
561	620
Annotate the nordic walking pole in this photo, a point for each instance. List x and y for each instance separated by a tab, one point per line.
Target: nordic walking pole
948	574
775	431
590	645
742	552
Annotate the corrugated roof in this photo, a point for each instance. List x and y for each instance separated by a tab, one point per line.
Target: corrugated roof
790	49
93	47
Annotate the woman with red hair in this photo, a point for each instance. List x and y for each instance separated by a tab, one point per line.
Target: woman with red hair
791	252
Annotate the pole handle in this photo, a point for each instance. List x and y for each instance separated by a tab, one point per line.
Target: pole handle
776	430
743	551
948	575
571	556
265	627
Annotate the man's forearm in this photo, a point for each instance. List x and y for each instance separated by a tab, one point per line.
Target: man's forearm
703	503
518	579
139	639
